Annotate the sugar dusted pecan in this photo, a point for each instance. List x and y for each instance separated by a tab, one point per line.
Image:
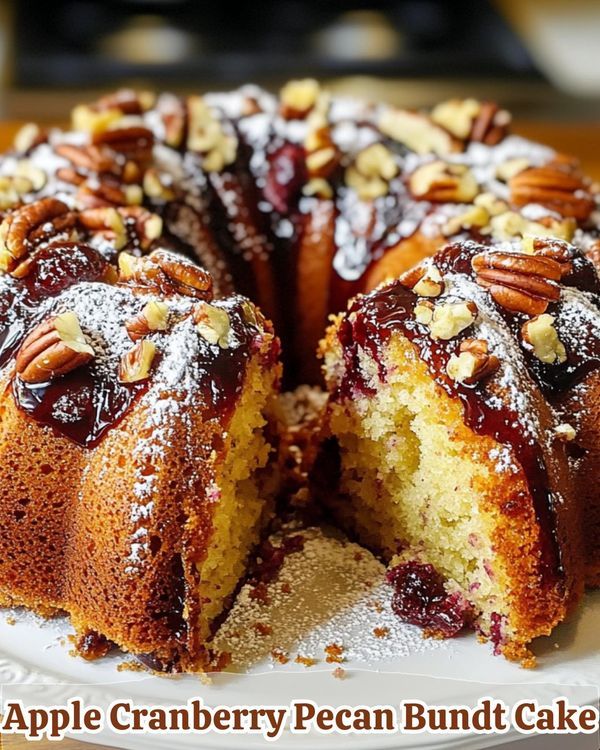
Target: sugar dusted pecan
54	348
557	187
519	282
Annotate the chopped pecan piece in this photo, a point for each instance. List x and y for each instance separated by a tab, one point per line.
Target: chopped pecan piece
154	317
473	363
542	337
440	181
136	364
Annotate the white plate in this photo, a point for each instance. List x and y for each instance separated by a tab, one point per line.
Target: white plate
35	666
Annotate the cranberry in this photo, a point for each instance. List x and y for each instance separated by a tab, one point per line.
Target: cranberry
62	264
285	178
496	631
421	599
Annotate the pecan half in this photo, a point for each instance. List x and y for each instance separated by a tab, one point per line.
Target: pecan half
473	363
165	273
519	282
490	126
18	226
134	142
90	158
549	247
106	222
556	187
54	348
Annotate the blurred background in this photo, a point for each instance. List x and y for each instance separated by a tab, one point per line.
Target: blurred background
541	58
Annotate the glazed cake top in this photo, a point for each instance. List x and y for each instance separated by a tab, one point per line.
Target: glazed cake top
454	172
173	347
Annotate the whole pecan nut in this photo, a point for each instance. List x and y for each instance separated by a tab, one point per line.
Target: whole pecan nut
519	282
557	187
54	348
19	227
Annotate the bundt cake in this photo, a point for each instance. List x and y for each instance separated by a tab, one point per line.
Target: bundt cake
132	432
463	430
136	375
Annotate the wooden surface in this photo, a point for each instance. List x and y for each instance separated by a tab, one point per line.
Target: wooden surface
581	140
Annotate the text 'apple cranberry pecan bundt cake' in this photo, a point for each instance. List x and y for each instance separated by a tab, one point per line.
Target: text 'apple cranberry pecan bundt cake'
132	431
464	404
304	199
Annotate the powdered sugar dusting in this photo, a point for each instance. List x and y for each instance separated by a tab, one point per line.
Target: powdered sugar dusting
332	592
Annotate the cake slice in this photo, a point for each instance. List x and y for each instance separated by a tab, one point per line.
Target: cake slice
451	457
132	432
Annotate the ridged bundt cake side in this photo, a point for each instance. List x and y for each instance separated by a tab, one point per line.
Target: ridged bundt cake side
132	431
461	455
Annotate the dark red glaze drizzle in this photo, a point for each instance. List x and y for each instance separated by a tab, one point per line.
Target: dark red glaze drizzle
371	321
421	599
53	269
95	403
